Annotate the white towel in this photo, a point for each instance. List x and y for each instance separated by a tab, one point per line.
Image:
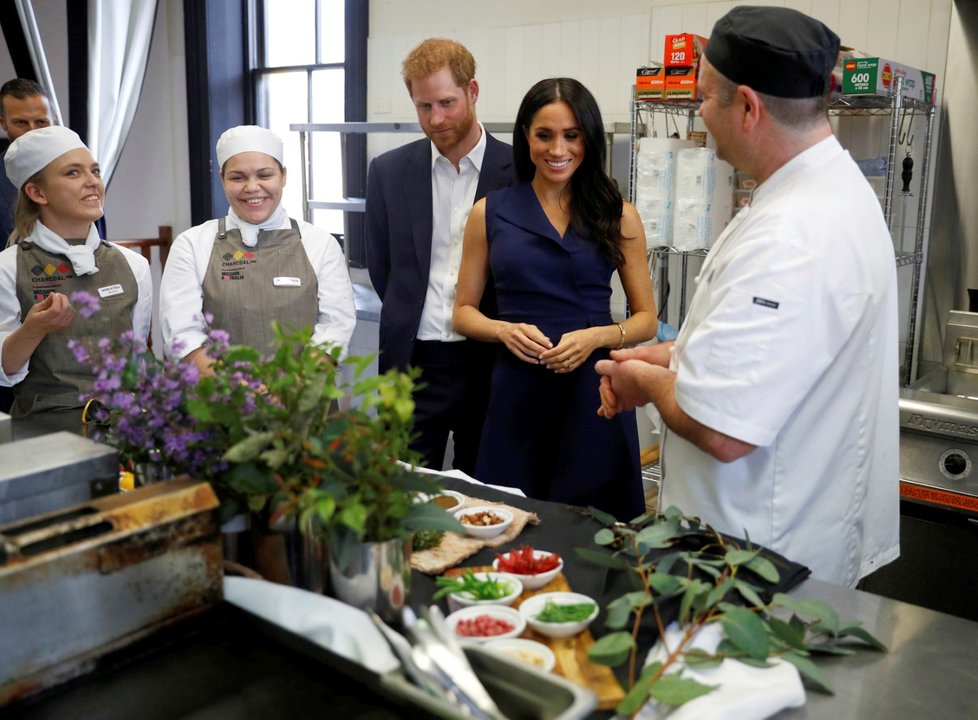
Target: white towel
327	622
743	692
81	257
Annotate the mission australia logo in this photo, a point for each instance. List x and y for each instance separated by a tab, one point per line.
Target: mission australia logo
233	263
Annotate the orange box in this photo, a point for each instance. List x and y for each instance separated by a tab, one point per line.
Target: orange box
650	83
683	50
681	83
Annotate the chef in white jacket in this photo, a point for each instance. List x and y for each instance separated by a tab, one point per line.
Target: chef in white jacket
240	272
780	394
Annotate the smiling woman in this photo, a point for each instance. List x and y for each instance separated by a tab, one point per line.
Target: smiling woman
257	265
58	252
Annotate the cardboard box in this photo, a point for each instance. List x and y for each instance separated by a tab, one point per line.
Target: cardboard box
683	50
650	83
681	83
876	76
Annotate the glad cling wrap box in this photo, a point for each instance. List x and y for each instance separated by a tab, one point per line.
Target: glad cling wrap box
683	50
877	76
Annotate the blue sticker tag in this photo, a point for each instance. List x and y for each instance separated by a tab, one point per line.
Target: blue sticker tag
766	303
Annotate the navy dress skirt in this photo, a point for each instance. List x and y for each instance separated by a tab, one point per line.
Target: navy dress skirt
542	432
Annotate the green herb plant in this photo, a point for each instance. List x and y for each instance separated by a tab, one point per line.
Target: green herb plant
489	588
754	632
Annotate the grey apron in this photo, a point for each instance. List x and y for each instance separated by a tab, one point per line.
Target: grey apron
246	288
56	379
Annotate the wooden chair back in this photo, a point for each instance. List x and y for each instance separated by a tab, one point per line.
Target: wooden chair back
145	246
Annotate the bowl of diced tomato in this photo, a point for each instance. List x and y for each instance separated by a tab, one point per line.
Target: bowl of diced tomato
533	568
479	623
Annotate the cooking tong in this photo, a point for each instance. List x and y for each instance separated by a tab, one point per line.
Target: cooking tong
436	662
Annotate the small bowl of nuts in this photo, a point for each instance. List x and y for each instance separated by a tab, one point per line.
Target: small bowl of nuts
484	521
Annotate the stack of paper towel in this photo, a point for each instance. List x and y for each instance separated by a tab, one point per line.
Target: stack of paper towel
655	187
704	198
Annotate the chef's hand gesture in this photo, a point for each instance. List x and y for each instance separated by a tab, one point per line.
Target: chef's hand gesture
53	313
633	377
524	340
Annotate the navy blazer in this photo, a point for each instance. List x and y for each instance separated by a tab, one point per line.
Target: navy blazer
398	236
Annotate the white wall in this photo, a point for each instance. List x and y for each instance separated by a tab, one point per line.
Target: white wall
601	43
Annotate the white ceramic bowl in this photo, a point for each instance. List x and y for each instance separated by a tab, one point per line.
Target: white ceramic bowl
536	581
485	531
458	497
530	652
467	616
533	606
457	601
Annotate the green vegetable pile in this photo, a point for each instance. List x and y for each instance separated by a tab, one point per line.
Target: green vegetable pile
478	588
424	539
554	613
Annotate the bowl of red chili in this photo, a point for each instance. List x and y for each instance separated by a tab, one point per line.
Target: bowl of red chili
479	623
533	568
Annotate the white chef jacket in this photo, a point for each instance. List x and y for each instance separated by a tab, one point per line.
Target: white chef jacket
791	344
10	318
182	298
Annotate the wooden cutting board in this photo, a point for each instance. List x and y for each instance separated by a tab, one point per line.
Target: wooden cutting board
571	653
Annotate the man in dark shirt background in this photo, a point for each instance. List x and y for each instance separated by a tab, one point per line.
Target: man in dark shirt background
24	106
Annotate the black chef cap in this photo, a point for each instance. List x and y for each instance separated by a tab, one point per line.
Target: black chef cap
774	50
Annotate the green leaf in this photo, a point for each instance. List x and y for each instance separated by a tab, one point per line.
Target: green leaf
602	517
426	516
762	664
747	631
701	659
660	534
764	568
818	609
854	630
634	699
673	689
275	457
719	592
249	479
612	649
248	448
810	670
618	612
749	593
697	589
664	584
604	536
602	558
791	634
733	558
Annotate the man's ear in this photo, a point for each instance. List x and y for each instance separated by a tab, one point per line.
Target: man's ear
35	193
751	104
473	90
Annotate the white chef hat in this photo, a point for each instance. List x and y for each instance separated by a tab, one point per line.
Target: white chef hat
248	138
34	150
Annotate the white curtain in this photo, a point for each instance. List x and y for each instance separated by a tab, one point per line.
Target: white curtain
119	35
25	12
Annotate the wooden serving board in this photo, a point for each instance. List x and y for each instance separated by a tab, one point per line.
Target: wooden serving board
571	653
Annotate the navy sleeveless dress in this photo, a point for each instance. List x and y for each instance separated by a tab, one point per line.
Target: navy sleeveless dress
542	432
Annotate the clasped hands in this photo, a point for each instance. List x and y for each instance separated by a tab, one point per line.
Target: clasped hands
531	345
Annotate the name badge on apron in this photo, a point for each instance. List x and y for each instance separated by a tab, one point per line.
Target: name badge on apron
287	282
110	291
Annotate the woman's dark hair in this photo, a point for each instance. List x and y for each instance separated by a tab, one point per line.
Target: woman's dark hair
596	203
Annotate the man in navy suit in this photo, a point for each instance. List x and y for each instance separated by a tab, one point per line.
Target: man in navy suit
418	199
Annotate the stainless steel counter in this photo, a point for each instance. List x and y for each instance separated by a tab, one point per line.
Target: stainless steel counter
930	671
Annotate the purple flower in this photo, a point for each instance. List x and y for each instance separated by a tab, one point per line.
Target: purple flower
86	303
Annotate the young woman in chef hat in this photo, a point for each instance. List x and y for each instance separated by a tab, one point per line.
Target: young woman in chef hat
240	272
58	252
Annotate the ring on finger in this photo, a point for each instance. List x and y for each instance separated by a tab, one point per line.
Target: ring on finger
570	364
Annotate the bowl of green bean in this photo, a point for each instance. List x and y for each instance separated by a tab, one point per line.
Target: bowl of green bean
478	588
559	614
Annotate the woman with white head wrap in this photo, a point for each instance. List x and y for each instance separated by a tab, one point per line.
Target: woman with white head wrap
58	252
256	264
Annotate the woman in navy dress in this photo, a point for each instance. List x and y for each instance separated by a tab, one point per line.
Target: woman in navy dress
552	243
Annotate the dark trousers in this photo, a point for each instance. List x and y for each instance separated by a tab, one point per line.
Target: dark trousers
452	397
